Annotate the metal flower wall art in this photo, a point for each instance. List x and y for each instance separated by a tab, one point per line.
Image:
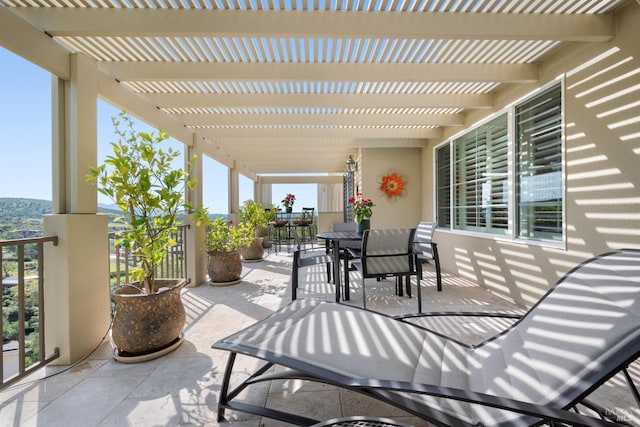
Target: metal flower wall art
392	185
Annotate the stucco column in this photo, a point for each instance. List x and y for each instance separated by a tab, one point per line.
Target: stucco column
77	270
265	191
234	194
195	249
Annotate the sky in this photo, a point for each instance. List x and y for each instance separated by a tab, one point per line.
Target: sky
25	143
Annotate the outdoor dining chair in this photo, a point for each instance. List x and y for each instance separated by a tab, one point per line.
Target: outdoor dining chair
427	250
306	258
388	253
582	332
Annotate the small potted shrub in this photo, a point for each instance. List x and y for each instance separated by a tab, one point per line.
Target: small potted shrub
253	214
223	242
139	176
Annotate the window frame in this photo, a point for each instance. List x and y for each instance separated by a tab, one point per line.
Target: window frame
512	233
477	140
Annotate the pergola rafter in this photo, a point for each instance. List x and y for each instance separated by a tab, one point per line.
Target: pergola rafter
336	75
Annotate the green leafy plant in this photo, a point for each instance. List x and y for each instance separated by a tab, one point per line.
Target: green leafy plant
361	207
272	213
221	236
141	178
253	214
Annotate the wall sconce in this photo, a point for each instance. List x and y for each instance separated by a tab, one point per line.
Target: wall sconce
352	165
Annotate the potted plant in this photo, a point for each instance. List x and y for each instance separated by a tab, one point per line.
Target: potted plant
288	202
272	213
272	216
253	214
223	242
139	176
362	212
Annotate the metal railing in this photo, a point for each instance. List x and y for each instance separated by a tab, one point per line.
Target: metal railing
174	264
21	311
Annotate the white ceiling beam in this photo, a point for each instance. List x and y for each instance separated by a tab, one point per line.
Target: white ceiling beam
319	144
279	160
118	96
319	119
21	38
256	23
286	179
434	100
263	71
356	132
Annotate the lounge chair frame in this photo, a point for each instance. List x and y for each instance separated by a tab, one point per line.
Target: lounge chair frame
386	390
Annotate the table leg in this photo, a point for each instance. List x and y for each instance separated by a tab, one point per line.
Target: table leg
336	267
346	295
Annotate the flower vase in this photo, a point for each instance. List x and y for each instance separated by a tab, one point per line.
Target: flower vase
364	224
288	209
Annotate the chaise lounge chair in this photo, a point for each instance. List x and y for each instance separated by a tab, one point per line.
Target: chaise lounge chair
580	334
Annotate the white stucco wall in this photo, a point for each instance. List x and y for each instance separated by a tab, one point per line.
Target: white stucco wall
602	189
401	211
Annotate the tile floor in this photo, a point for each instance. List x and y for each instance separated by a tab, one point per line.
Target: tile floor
181	389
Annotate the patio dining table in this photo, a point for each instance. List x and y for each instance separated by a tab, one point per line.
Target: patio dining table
334	238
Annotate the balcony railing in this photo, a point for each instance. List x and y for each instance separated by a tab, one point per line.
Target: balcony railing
22	314
172	266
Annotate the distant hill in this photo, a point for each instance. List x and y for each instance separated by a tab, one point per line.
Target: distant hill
18	207
24	208
23	218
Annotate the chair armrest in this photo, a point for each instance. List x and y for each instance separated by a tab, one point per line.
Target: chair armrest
354	252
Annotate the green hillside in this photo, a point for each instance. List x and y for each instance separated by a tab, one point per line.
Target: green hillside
22	217
24	208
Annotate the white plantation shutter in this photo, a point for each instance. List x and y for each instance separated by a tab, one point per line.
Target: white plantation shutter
539	166
481	178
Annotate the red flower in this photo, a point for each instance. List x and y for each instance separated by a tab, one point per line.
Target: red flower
288	200
361	207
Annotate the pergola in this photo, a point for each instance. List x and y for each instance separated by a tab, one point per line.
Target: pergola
293	87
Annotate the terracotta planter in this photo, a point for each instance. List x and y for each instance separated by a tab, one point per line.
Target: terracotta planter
264	232
255	251
145	324
224	267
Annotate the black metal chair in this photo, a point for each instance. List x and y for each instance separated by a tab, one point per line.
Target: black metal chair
306	258
388	253
580	334
427	250
305	224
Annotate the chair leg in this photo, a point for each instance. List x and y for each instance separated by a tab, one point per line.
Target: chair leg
294	284
419	286
364	295
346	295
294	276
407	279
436	261
226	378
399	291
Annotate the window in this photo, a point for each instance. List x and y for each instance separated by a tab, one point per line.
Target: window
475	176
480	167
539	166
443	184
